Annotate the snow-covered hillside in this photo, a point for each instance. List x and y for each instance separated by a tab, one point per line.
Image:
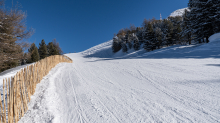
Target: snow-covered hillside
173	84
101	50
178	12
104	50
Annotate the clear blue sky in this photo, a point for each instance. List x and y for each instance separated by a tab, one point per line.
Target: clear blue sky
80	24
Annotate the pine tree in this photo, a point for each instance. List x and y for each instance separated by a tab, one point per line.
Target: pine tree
164	28
139	33
216	17
170	34
206	26
186	34
57	47
115	45
125	38
193	20
136	43
177	34
34	55
32	47
176	22
124	43
130	40
52	49
202	17
124	47
158	36
132	29
149	39
43	50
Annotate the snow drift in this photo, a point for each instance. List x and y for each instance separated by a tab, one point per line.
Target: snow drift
215	37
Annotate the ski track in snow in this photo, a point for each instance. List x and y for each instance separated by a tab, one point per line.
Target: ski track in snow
141	89
135	90
115	91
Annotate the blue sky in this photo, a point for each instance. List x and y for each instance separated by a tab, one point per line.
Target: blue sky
80	24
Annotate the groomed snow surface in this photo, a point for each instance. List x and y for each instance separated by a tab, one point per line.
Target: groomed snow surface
174	84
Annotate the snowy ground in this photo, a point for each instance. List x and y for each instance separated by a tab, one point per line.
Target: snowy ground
173	84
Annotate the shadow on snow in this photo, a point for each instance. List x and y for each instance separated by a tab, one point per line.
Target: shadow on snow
197	51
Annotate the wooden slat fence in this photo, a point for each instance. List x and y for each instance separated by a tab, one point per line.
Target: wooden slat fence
17	90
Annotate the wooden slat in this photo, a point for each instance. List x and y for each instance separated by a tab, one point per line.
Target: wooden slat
4	101
21	87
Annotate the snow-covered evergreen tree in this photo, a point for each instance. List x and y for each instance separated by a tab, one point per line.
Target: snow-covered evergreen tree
202	17
164	28
139	34
125	38
177	34
186	34
176	21
149	39
116	46
214	14
124	47
200	20
130	40
136	43
158	36
169	32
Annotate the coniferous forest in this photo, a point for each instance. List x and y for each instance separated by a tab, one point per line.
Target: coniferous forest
196	25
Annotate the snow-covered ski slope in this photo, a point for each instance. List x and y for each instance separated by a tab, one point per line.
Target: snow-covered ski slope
178	84
179	12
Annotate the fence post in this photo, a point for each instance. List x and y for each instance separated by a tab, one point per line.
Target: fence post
11	101
1	107
7	94
4	100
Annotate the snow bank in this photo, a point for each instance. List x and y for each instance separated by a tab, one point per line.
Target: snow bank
215	37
